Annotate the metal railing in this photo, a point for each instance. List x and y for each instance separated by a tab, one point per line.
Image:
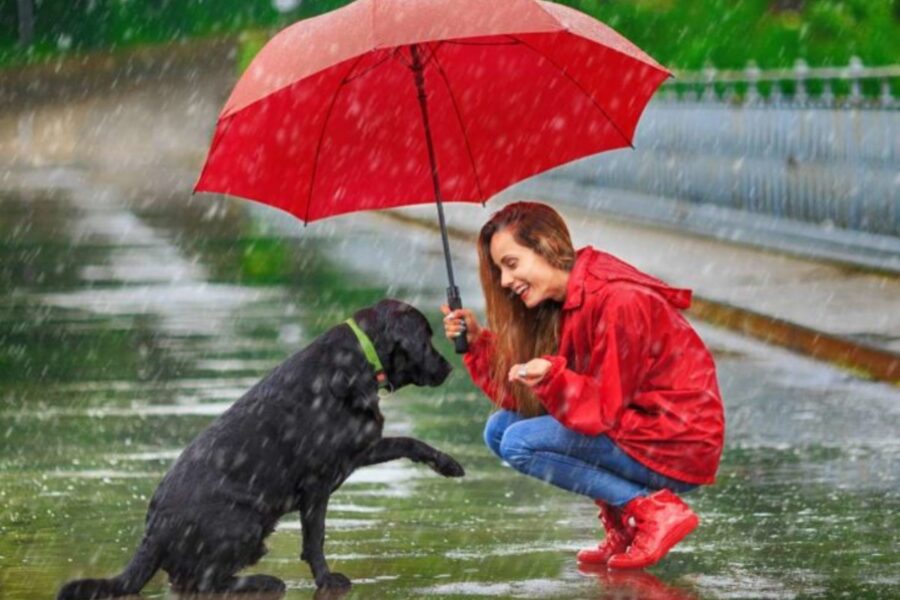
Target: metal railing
855	85
823	151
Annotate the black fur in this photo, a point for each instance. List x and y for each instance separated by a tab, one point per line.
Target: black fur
285	446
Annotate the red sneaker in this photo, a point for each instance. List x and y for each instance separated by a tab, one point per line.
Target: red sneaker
662	520
618	536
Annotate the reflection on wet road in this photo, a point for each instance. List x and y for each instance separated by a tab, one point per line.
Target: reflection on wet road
126	326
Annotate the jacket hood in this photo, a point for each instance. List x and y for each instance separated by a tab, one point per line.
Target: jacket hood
594	269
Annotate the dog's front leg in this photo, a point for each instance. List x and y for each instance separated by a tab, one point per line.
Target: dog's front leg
312	518
392	448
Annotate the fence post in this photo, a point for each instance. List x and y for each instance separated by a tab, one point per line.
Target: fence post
709	88
855	70
801	69
886	99
752	72
827	98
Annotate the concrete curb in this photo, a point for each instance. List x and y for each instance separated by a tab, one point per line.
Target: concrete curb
860	359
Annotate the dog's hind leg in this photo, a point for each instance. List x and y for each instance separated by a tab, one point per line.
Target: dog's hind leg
205	557
313	506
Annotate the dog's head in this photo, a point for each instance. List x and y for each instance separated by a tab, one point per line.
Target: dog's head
402	337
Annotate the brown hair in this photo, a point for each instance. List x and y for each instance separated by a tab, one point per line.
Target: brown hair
521	333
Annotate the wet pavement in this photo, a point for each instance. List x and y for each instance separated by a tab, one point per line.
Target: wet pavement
127	325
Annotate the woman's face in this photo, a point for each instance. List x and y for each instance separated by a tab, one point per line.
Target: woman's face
525	272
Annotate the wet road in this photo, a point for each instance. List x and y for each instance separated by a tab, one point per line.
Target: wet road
125	327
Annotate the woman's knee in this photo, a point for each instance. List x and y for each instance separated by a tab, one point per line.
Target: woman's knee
515	445
495	427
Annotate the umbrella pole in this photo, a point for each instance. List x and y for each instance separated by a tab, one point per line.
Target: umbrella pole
453	299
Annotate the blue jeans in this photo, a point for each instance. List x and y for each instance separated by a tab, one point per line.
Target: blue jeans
590	465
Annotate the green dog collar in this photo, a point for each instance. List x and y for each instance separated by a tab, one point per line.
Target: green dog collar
371	355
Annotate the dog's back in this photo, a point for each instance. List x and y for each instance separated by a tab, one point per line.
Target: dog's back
287	426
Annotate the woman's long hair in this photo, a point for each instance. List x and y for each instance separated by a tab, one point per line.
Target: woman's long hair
522	334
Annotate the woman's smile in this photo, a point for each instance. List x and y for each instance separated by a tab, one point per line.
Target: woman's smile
521	290
525	273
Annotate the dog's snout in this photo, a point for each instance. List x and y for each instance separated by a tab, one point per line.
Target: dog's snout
439	369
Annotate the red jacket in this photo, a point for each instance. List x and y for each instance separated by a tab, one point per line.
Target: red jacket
629	366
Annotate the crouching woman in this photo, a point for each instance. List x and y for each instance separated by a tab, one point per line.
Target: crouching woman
604	389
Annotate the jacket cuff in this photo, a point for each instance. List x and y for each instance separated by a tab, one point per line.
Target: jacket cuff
478	348
545	387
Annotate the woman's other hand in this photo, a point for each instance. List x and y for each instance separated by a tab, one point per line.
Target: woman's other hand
530	373
455	321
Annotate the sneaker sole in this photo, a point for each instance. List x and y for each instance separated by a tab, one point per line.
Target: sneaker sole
582	560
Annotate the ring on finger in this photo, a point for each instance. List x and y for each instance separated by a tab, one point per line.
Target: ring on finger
522	372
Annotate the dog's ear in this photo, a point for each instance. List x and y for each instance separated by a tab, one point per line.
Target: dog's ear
391	318
403	325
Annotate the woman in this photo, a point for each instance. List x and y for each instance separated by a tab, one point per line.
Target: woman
604	389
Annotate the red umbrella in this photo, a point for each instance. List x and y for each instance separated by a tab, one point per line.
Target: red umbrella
386	103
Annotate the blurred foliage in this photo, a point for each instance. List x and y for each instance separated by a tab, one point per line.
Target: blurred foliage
250	43
689	34
66	26
685	34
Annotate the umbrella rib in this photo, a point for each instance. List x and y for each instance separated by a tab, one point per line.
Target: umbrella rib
348	78
312	180
579	86
459	119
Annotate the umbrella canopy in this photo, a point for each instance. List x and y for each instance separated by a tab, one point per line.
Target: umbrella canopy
387	103
328	118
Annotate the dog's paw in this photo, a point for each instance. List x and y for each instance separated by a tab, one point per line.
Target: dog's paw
447	466
334	582
331	593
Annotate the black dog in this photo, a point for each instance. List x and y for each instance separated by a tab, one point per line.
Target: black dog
286	445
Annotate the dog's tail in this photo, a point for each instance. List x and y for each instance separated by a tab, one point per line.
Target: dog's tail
143	565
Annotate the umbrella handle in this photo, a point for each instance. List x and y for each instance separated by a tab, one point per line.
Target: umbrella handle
461	342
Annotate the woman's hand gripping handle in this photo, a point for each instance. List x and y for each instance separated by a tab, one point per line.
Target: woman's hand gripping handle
458	322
